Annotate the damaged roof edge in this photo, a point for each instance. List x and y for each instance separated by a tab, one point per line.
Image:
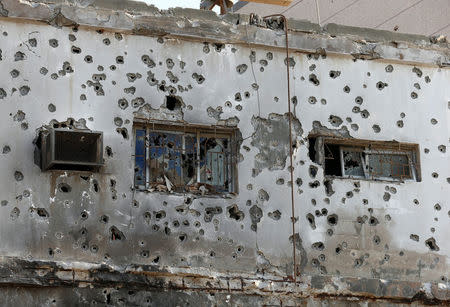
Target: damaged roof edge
141	19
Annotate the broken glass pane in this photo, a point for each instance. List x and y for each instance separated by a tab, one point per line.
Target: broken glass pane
140	152
353	165
389	166
189	157
213	162
165	158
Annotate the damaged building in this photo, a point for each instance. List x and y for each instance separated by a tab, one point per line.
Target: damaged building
153	158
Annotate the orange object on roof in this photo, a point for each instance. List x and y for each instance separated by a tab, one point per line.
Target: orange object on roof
275	2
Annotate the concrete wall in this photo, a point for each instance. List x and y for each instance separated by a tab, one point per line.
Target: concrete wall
41	89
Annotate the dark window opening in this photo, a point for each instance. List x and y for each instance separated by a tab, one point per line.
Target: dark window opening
332	160
173	103
350	158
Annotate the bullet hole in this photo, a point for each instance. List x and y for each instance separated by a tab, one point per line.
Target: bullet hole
381	85
64	187
317	213
54	76
255	215
332	219
148	61
402	115
24	90
376	128
417	71
118	121
14	73
291	62
199	78
442	148
389	68
241	68
335	121
354	127
137	102
433	121
88	59
376	239
356	110
20	116
72	38
6	149
346	89
312	100
123	132
182	237
167	230
104	219
159	215
358	262
18	176
417	86
19	56
435	175
400	124
15	212
365	114
123	103
24	126
426	150
119	59
218	47
275	215
116	234
106	41
315	263
414	237
359	100
76	50
263	195
311	220
2	93
129	90
84	215
431	244
373	221
53	43
313	79
176	224
414	95
318	246
235	213
99	77
173	103
83	97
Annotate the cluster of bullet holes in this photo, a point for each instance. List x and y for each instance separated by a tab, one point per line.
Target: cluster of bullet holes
199	78
313	79
234	213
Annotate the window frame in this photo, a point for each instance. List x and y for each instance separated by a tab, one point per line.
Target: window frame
366	149
188	129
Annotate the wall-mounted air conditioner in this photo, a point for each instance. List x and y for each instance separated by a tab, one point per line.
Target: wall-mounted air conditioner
64	149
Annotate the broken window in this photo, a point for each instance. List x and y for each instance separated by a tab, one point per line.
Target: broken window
364	159
184	158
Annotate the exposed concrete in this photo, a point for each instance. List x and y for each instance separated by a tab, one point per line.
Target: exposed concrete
232	28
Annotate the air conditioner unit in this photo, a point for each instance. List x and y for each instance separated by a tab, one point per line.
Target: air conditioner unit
64	149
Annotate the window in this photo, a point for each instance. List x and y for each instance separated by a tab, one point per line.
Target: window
185	158
375	160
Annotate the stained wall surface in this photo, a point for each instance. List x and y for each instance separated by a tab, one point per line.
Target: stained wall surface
53	74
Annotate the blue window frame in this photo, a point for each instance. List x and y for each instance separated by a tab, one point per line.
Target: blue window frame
184	159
